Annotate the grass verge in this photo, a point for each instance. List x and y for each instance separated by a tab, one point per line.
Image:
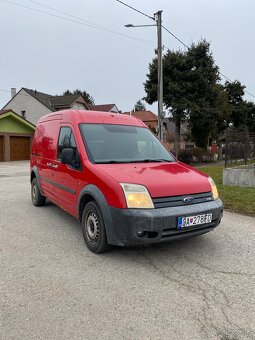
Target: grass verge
234	198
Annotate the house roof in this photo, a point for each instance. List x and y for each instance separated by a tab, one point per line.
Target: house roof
103	107
59	102
5	110
145	116
43	98
53	102
6	113
65	100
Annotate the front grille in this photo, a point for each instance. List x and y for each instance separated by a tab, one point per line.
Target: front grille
175	201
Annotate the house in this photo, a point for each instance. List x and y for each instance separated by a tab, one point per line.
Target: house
32	104
16	135
184	132
170	125
104	108
148	117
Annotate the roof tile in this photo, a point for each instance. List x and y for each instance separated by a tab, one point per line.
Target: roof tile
145	116
103	107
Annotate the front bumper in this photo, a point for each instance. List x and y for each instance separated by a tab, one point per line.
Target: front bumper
159	225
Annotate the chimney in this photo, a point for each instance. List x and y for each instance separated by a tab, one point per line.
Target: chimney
13	91
23	114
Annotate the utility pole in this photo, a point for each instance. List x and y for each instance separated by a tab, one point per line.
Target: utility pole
157	18
160	75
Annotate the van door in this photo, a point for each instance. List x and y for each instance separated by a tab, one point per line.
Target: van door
65	178
44	150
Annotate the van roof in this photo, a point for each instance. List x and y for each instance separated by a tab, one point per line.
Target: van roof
97	117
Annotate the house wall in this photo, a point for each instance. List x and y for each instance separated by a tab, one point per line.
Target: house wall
24	102
79	106
11	125
114	109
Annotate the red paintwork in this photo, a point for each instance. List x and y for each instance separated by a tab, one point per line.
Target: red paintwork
161	179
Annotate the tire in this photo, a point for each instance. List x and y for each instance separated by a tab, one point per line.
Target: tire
93	228
37	199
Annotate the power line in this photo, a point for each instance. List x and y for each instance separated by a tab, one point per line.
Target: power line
222	74
178	39
136	10
93	25
231	81
70	15
22	94
249	93
80	21
173	35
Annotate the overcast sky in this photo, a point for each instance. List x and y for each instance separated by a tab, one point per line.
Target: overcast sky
51	54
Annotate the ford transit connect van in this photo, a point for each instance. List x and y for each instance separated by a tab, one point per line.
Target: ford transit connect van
112	174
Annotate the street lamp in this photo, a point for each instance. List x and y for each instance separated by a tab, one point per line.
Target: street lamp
157	18
131	25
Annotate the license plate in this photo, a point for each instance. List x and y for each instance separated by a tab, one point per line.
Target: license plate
189	221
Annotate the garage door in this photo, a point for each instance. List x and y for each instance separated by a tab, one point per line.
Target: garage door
1	148
19	148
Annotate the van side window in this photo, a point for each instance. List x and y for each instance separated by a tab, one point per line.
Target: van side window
66	140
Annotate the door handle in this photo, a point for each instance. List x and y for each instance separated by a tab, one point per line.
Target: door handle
55	166
48	164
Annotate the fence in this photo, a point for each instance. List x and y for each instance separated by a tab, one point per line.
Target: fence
239	146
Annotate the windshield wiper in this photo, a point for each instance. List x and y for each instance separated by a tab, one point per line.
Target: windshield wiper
151	160
147	160
111	162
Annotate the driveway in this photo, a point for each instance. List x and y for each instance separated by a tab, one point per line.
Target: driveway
53	287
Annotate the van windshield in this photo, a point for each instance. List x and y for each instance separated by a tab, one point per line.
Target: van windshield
107	143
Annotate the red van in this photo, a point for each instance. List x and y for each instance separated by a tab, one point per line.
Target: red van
113	175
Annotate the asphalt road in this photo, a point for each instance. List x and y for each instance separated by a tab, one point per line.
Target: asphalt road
53	287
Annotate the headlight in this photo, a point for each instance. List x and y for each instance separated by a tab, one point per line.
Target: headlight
214	188
137	196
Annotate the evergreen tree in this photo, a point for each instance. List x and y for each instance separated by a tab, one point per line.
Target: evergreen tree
85	95
139	106
190	86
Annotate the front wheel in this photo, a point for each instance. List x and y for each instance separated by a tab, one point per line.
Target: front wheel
93	228
37	199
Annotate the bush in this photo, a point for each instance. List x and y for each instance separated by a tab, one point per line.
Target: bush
185	156
195	155
202	155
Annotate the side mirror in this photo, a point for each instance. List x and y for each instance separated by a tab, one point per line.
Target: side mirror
67	156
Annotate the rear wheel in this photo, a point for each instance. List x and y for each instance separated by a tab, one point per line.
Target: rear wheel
37	199
93	228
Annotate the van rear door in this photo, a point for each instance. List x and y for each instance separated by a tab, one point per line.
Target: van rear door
44	149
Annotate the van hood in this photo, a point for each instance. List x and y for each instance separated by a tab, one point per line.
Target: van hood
161	179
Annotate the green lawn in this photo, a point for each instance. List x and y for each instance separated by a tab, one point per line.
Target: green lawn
234	198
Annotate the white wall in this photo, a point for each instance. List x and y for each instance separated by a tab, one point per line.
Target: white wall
24	102
114	109
79	106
